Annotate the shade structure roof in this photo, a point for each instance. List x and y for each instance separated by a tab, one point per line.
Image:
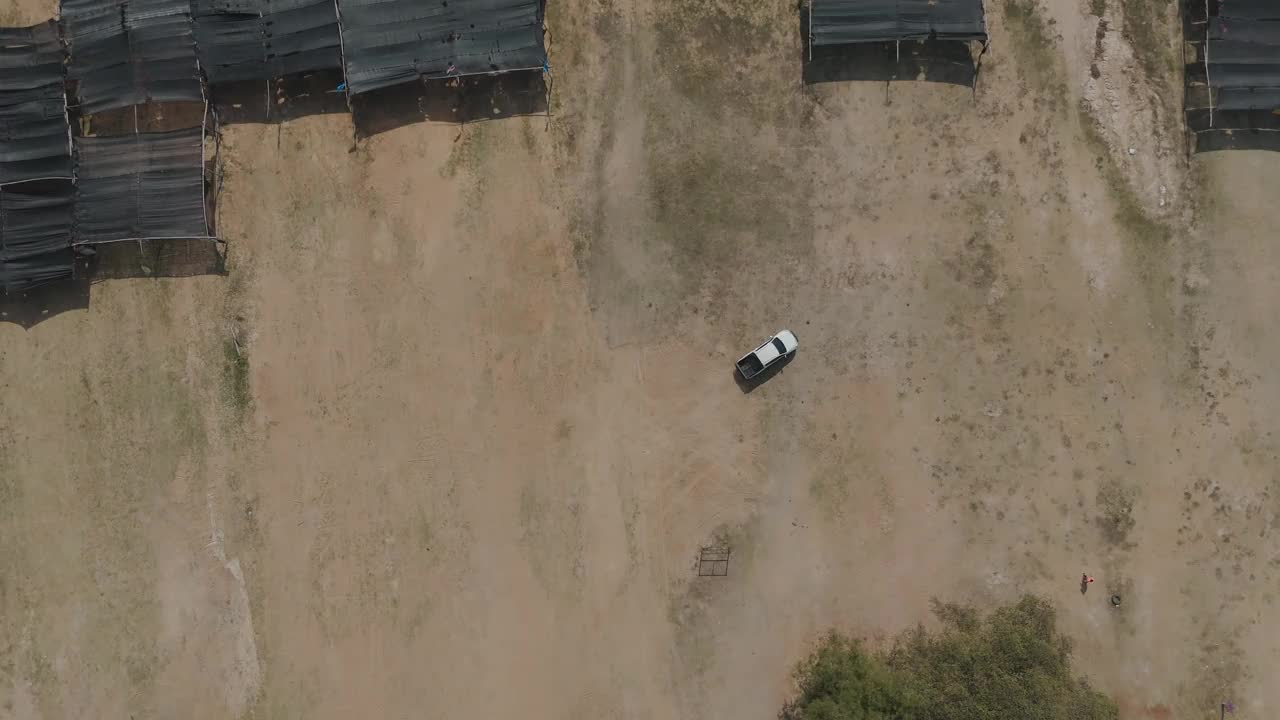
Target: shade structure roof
35	235
1244	55
842	22
130	52
35	142
142	186
1233	89
389	42
266	39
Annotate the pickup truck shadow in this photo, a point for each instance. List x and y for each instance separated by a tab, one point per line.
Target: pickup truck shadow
747	386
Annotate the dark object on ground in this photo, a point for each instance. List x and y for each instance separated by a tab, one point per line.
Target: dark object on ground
455	100
31	307
281	99
145	118
713	561
158	259
1115	601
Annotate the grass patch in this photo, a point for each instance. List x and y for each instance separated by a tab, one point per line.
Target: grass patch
1147	240
830	490
466	153
235	377
1115	508
149	411
702	41
11	485
1145	28
705	198
1036	50
236	389
713	192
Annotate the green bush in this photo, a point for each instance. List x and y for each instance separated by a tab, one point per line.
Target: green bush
1011	664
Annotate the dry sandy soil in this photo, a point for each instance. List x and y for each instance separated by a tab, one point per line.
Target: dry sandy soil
483	417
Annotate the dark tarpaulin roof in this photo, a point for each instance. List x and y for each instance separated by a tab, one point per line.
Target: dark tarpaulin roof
34	138
148	185
35	236
1212	140
1242	44
1250	9
130	52
1233	83
266	39
841	22
1248	98
388	42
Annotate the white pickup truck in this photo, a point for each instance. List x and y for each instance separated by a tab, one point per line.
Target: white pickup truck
770	351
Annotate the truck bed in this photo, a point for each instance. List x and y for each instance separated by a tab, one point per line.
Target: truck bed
750	366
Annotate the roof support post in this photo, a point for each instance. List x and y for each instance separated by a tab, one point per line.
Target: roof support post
1207	80
342	53
204	191
810	29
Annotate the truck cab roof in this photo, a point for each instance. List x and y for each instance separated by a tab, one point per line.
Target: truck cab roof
775	347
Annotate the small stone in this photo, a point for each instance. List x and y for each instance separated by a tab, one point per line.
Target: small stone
1133	151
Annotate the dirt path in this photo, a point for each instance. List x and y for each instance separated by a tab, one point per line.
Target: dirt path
448	439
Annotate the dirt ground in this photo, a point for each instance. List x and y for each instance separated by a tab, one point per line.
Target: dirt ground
446	441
